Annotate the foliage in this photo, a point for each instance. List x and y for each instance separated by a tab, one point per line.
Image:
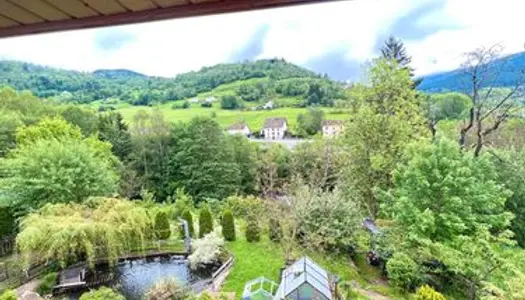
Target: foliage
386	118
45	286
275	231
446	106
252	230
101	228
230	102
403	272
245	155
327	220
112	129
81	117
48	129
8	295
274	169
182	202
202	161
162	226
186	215
310	122
169	288
151	142
205	221
426	292
206	250
228	226
245	206
103	293
7	221
57	171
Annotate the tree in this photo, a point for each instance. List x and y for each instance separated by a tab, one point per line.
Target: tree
274	169
386	118
151	143
488	109
57	171
48	129
275	231
228	226
403	272
84	118
7	221
394	49
310	122
99	229
205	221
446	106
202	161
162	226
245	155
111	128
103	293
252	230
450	208
230	102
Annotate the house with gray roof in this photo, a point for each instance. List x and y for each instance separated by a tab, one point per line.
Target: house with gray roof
274	128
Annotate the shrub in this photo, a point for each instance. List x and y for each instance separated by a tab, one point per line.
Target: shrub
205	221
243	207
8	295
167	289
230	102
183	201
206	250
7	221
275	232
206	104
228	225
252	230
104	293
45	286
426	292
403	271
162	226
186	215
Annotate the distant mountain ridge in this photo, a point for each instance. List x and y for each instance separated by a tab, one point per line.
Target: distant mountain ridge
137	88
510	67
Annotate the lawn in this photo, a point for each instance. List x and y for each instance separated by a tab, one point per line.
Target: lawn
254	119
253	260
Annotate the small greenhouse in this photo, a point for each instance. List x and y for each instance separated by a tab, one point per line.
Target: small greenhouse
304	280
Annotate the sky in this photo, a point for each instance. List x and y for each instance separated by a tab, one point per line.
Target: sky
336	38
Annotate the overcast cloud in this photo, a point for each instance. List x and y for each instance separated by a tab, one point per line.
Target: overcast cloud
336	38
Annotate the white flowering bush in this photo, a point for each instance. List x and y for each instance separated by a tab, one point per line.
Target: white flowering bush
206	250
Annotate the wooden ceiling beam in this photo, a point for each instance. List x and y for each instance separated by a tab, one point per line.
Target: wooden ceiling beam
182	11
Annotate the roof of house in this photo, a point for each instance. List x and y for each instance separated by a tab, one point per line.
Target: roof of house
275	122
20	17
304	271
333	122
237	126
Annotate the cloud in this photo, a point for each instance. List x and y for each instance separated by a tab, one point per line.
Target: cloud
337	65
334	37
112	39
253	47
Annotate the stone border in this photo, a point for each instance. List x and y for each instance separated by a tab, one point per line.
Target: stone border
219	276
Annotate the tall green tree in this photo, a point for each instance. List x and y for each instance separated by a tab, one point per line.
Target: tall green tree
84	118
311	122
245	155
386	118
111	128
394	49
202	161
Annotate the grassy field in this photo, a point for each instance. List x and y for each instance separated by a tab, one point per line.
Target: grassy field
254	119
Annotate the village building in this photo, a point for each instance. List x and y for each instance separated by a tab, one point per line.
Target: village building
274	128
239	128
333	127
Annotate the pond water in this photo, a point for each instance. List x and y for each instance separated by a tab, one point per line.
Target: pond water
134	278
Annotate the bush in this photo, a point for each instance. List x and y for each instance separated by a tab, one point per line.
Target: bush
183	201
45	287
230	102
403	272
228	226
205	221
7	221
206	104
104	293
162	226
252	230
275	232
426	292
243	207
167	289
8	295
186	215
206	250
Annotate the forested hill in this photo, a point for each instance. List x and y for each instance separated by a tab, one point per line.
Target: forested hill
136	88
510	66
